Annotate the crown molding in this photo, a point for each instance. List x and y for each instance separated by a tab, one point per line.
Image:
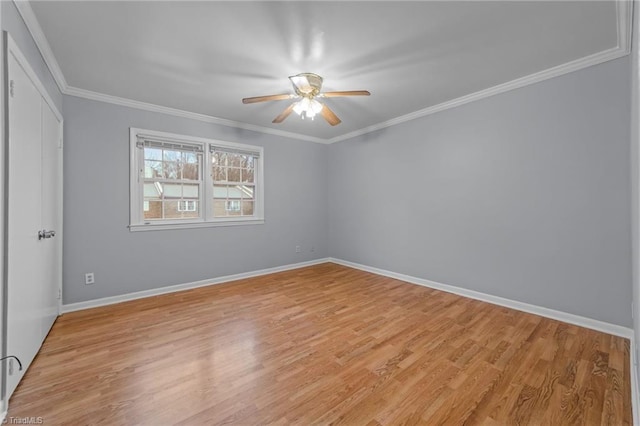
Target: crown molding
557	71
96	96
624	22
30	20
624	26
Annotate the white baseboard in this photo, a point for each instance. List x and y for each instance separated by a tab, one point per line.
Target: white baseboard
581	321
72	307
605	327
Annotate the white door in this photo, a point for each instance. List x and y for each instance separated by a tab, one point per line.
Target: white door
51	215
33	262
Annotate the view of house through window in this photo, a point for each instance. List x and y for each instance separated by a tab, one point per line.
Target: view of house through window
172	182
179	180
233	184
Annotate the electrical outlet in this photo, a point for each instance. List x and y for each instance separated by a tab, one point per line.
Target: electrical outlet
89	278
297	249
312	249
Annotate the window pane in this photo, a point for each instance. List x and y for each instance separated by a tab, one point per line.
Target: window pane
220	191
152	154
190	171
233	174
152	190
235	160
247	175
219	158
190	157
153	169
171	155
247	191
190	191
172	190
220	199
247	208
219	174
170	169
247	161
235	192
219	209
154	211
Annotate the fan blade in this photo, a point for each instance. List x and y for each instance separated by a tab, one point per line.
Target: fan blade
267	98
345	93
329	115
284	114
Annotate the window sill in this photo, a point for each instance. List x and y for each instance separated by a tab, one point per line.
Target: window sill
188	225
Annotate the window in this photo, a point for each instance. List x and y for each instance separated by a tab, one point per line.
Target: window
187	206
232	206
181	181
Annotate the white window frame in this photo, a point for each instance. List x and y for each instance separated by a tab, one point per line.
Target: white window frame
206	219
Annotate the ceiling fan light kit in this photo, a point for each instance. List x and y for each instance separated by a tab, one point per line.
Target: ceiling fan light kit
307	86
307	107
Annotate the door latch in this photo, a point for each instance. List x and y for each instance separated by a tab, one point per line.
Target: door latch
46	234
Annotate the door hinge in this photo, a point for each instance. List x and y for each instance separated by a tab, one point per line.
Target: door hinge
59	293
11	86
10	367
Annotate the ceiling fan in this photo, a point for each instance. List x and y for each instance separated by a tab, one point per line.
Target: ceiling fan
307	88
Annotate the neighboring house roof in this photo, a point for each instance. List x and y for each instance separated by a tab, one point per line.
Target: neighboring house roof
171	190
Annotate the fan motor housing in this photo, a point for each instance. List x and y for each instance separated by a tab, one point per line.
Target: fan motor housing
306	84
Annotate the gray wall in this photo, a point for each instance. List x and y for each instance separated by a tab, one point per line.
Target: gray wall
523	195
96	208
635	176
12	22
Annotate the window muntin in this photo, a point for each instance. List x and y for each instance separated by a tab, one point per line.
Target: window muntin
177	179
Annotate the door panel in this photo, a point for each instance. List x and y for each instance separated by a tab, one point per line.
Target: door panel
51	215
25	300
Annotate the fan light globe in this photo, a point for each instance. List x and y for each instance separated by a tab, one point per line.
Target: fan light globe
307	107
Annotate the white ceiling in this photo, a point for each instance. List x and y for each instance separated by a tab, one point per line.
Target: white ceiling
204	57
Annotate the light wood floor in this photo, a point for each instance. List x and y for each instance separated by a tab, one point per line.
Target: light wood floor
324	344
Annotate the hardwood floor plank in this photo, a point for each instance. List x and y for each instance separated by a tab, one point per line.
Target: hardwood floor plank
322	345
